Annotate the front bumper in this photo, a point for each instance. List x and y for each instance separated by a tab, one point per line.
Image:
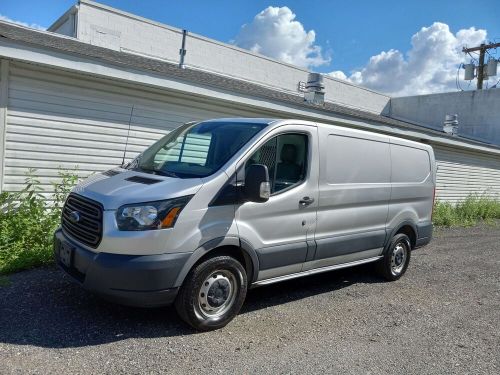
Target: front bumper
134	280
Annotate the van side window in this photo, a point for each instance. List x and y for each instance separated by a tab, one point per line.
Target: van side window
286	159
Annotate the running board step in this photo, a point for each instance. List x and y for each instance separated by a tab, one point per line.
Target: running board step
315	271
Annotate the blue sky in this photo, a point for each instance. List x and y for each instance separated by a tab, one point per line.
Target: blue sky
349	33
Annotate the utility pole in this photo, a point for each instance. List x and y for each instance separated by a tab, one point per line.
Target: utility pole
482	51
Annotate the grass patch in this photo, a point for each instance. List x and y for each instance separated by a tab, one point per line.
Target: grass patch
28	221
468	212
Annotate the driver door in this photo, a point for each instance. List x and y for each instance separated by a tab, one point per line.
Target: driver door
280	228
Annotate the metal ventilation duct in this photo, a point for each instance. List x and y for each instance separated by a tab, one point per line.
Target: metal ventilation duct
450	125
315	89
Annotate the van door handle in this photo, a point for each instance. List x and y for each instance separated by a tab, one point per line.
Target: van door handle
306	201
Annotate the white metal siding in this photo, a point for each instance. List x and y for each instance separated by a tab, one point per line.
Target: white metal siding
4	80
461	173
60	121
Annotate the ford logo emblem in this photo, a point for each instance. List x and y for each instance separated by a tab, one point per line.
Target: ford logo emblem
74	217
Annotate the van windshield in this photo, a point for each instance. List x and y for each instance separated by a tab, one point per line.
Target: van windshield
195	150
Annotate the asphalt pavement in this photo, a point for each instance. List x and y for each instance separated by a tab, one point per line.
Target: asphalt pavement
442	317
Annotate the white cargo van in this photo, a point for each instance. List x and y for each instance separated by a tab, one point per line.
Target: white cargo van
216	207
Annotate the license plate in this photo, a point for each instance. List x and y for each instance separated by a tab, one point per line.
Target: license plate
65	254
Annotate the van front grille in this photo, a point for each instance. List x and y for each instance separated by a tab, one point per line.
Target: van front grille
82	220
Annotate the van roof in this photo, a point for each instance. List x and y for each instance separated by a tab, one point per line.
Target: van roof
278	122
245	120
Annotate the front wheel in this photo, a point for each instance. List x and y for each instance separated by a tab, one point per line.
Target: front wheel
396	258
213	293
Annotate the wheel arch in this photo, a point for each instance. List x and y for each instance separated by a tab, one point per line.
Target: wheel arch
407	227
231	246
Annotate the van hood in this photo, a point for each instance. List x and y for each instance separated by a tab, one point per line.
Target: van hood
117	187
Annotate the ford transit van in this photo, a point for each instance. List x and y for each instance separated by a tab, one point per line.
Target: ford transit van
217	207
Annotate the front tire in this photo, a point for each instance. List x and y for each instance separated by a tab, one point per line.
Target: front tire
212	294
396	258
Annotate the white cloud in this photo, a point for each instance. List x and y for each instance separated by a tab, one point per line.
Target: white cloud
31	25
276	33
339	74
429	66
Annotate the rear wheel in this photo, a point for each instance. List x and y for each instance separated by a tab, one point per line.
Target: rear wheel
396	258
213	293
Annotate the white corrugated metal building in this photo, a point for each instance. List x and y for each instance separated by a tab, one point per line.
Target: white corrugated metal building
66	98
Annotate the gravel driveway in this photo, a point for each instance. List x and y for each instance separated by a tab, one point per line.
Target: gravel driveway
443	316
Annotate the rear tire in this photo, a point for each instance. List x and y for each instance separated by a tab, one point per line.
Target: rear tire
396	258
212	293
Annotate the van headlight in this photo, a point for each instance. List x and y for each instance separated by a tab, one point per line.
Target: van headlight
150	215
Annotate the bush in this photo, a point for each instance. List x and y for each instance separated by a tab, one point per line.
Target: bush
28	221
467	212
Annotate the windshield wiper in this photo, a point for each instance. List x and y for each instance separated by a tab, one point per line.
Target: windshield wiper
165	173
156	171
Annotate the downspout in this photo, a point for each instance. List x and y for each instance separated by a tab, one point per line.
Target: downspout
182	51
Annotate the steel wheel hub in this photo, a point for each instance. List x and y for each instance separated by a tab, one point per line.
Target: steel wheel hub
217	293
398	258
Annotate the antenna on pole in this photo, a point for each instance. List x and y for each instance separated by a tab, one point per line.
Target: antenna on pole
128	134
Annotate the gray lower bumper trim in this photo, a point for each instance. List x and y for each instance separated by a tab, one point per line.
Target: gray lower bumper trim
424	234
145	281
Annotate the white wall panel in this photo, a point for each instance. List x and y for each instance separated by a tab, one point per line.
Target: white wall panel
461	173
59	121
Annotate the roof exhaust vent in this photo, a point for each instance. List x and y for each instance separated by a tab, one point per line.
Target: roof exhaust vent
450	125
315	89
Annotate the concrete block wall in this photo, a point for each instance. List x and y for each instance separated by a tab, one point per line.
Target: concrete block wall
478	112
104	26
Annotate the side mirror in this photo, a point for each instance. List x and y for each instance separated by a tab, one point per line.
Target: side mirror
257	186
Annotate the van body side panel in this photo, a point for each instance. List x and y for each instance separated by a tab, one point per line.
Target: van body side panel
413	181
354	193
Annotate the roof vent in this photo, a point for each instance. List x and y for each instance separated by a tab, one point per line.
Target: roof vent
315	89
450	125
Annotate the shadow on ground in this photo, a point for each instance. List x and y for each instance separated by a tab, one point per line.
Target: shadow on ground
44	308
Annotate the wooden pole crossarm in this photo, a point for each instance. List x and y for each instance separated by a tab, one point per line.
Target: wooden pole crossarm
485	46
